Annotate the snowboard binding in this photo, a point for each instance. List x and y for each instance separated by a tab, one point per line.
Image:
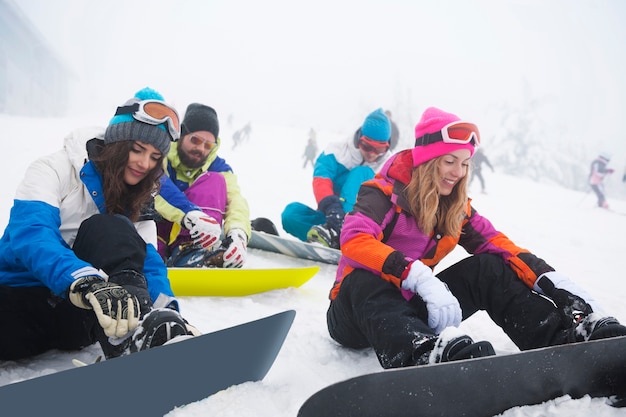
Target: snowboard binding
191	255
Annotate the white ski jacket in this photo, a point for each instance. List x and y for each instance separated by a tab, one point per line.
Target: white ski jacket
57	193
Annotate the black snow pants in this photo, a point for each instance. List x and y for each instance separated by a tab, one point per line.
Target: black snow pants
34	320
371	312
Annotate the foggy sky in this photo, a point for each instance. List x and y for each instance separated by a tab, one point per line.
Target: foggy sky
326	64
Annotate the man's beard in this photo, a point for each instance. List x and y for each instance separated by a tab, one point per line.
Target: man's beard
191	163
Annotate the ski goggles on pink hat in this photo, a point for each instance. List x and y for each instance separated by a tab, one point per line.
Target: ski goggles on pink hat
154	112
456	132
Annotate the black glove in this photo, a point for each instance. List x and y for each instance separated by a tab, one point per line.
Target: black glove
136	284
117	310
572	307
333	210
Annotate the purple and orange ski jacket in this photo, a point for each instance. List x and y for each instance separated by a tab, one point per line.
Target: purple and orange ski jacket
380	235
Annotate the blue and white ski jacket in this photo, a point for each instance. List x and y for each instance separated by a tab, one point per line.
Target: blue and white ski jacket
57	193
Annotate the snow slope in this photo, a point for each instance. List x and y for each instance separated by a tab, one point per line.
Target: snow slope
559	225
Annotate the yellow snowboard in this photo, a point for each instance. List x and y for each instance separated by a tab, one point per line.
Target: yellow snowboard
236	282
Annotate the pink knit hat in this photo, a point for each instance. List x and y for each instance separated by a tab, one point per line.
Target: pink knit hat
429	142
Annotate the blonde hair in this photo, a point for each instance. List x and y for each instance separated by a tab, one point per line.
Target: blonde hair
432	211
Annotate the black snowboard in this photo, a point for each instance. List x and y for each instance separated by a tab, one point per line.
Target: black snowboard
479	387
155	381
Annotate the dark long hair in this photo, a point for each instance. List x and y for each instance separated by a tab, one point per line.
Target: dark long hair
119	197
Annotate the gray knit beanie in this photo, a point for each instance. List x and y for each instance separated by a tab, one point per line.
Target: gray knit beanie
200	117
124	127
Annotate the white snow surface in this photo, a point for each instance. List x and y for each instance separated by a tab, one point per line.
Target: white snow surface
562	226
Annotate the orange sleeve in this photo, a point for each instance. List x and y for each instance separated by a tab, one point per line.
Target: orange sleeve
370	252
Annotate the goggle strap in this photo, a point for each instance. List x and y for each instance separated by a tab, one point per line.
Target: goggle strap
127	109
374	143
429	138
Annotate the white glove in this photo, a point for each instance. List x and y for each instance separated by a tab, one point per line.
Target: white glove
203	229
117	310
561	281
235	254
443	307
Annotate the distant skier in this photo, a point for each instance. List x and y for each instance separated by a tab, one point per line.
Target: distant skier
245	131
242	134
599	170
310	151
236	138
477	161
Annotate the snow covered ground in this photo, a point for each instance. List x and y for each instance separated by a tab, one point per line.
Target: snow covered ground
559	225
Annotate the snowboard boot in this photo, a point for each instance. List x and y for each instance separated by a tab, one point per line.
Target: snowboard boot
261	224
451	345
157	328
323	235
190	255
594	327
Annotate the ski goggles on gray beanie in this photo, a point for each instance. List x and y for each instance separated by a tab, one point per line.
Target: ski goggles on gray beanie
146	118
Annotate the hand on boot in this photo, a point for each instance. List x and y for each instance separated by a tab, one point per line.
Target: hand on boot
203	229
117	311
333	210
566	296
236	250
443	307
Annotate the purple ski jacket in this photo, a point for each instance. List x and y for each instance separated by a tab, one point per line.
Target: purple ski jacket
380	235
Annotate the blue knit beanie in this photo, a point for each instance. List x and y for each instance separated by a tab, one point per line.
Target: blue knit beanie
124	127
376	126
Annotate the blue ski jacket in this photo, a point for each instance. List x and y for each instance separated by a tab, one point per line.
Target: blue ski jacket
57	193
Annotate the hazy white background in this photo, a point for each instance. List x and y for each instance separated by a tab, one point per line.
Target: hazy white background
327	63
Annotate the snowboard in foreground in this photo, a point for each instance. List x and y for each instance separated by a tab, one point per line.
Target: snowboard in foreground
155	381
234	282
294	248
479	387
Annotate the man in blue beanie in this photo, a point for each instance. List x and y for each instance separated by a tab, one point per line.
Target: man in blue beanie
337	176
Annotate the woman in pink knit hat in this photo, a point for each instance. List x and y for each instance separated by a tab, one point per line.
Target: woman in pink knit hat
405	221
